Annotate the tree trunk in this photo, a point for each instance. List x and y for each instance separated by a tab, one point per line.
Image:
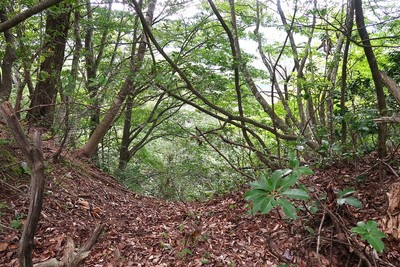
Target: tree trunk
43	99
348	28
92	64
124	149
373	65
90	147
125	142
8	61
391	84
34	157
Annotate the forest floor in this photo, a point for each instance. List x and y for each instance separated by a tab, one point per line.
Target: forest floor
144	231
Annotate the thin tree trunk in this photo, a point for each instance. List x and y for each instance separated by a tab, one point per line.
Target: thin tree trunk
373	65
343	86
8	61
125	142
93	62
27	60
90	147
124	149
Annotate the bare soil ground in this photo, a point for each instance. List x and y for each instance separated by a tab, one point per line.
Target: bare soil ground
144	231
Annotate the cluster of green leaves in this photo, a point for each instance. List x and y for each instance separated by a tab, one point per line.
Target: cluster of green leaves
345	198
17	222
369	231
273	191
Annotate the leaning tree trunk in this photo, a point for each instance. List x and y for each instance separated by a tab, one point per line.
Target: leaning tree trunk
373	65
43	99
34	157
89	149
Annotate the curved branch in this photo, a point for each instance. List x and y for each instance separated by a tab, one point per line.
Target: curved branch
14	21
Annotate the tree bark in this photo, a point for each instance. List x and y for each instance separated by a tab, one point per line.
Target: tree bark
343	85
43	100
34	158
125	142
8	60
373	65
92	63
391	84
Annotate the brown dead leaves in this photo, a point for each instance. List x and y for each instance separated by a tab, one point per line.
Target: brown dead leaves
143	231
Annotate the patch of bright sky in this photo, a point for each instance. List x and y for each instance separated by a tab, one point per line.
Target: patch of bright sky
273	34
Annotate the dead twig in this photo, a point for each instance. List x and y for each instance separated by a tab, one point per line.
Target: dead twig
223	156
70	259
359	252
319	238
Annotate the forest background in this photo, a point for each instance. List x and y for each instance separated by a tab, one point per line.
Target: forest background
188	99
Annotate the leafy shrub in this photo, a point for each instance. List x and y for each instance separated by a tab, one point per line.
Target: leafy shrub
274	191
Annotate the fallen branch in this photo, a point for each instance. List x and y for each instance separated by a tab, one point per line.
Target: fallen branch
70	259
393	119
391	85
352	244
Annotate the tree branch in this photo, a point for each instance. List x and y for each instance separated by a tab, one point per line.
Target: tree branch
14	21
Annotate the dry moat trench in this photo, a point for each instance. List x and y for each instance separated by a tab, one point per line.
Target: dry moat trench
144	231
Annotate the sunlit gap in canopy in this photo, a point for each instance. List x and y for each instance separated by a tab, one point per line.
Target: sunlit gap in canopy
189	10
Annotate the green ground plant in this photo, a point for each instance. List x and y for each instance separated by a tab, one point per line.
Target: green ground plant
369	231
278	189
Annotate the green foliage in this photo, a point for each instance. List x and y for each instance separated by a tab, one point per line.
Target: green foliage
17	222
345	198
4	141
204	261
184	252
273	191
370	232
25	168
181	168
393	65
3	206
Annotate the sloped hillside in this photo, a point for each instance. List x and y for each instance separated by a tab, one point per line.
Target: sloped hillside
144	231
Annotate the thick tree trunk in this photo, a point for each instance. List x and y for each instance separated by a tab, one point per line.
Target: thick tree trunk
373	65
43	99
